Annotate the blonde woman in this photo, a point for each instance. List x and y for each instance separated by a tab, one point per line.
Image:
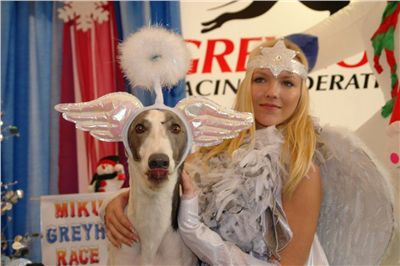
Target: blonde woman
271	207
259	194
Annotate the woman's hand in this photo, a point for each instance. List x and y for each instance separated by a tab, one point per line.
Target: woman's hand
119	228
188	188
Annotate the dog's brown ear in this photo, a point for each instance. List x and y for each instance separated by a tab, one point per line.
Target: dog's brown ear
176	199
135	154
131	143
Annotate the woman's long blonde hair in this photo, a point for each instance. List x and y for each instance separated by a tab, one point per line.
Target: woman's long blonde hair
298	130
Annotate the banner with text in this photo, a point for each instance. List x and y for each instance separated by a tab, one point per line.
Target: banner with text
221	34
73	233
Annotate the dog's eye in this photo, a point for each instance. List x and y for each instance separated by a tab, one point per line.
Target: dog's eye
139	128
175	128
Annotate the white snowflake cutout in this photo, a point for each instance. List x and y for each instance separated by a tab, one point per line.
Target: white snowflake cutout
84	12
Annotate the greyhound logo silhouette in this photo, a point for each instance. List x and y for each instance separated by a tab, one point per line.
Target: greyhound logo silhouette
258	8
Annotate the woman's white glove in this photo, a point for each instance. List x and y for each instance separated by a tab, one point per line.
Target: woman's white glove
207	244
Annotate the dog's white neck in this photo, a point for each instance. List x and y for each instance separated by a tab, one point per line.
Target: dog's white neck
149	212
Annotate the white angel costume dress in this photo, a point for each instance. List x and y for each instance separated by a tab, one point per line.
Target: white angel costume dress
240	199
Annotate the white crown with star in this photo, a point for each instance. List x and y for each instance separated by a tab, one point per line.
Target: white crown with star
278	58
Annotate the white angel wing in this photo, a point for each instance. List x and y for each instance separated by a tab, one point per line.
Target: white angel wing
104	117
211	123
356	219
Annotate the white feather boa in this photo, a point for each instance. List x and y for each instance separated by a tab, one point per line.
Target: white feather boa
236	194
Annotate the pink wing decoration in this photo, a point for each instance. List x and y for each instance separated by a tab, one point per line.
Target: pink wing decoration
104	117
211	123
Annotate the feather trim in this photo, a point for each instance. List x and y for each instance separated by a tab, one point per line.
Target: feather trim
237	192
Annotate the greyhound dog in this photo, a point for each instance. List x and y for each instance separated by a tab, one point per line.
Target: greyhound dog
157	139
157	142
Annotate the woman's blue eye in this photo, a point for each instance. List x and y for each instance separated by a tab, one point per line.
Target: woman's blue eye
259	80
288	83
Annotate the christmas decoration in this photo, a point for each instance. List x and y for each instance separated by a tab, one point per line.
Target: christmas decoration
9	131
109	176
9	198
84	13
383	41
20	244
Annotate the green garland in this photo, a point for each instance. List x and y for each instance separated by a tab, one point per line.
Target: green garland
383	40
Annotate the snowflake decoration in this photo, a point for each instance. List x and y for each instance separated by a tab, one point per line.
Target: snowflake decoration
278	58
84	12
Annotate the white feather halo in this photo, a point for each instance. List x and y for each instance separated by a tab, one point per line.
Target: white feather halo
154	56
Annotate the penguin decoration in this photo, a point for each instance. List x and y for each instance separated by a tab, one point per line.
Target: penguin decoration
109	176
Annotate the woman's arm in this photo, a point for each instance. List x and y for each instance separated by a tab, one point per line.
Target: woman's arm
119	228
302	212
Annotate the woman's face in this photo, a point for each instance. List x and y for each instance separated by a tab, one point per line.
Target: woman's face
274	99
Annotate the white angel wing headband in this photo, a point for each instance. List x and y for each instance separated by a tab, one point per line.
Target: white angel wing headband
104	117
154	58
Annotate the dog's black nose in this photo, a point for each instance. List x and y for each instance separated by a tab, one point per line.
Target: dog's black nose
158	160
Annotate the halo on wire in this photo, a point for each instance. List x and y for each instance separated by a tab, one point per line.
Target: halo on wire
154	56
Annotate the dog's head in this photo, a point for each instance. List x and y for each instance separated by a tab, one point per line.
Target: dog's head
157	141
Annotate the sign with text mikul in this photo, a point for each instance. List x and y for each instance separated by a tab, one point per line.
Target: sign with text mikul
73	233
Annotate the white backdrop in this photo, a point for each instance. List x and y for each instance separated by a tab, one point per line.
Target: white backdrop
346	96
331	103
